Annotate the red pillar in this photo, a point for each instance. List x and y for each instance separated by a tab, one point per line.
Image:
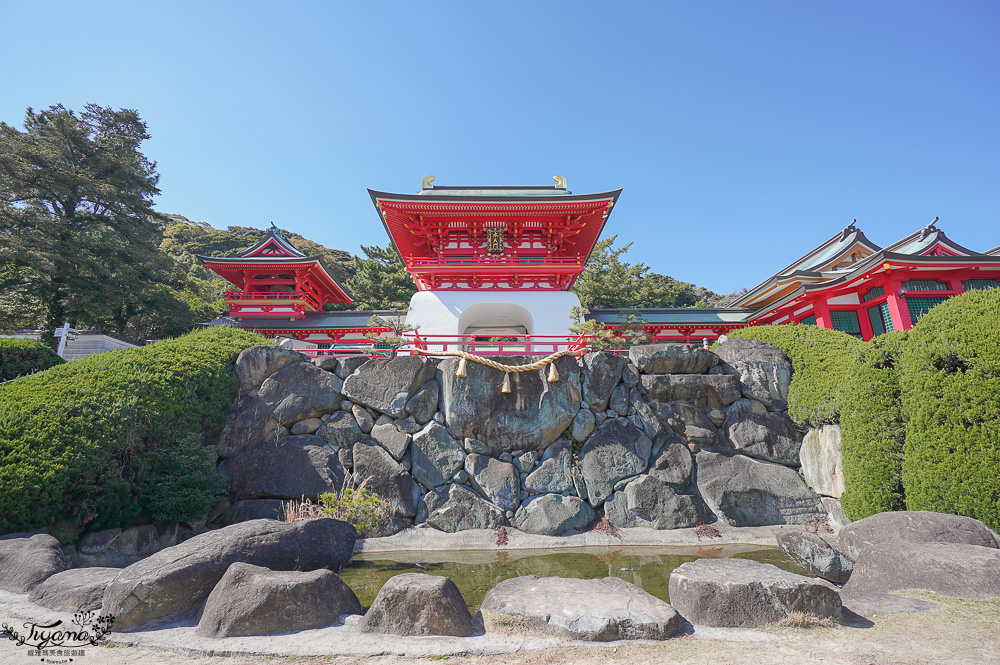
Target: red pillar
866	326
897	306
822	312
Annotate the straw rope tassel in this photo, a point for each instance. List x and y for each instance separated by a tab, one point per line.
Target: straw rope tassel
553	374
461	368
506	383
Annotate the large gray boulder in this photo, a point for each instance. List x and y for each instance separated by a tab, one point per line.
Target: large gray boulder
746	492
914	526
671	462
496	480
179	577
256	363
553	515
300	391
672	359
424	403
251	509
764	371
387	384
253	600
394	440
816	556
293	467
651	503
341	430
553	474
463	510
436	456
583	425
74	590
530	417
951	569
601	373
617	450
822	463
250	426
416	604
757	432
27	560
376	471
745	594
349	365
685	419
712	390
599	610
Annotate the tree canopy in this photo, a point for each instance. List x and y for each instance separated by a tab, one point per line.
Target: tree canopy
381	280
607	281
79	232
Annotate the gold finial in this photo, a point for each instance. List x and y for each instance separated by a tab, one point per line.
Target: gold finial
426	183
560	182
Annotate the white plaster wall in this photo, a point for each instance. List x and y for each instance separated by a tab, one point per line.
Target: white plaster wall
450	312
846	299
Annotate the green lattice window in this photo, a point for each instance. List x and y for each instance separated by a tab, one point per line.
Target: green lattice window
925	285
846	321
809	320
880	319
873	293
920	306
973	284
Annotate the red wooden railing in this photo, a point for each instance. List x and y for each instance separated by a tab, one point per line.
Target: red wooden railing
277	296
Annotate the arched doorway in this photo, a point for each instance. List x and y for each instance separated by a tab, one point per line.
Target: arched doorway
493	323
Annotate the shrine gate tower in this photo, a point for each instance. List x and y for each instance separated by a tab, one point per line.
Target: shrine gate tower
493	261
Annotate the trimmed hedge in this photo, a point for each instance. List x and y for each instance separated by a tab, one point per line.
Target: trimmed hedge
822	361
872	429
19	357
105	437
950	373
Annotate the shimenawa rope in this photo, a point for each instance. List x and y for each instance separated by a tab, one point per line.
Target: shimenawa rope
506	369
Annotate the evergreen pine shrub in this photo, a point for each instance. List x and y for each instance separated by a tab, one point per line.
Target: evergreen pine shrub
950	375
872	429
94	440
20	357
822	360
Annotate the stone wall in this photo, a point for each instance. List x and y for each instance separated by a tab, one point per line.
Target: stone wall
668	436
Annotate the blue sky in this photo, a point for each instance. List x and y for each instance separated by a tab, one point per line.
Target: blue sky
743	133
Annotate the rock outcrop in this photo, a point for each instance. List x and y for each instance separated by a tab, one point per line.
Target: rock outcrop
418	604
27	560
599	610
914	526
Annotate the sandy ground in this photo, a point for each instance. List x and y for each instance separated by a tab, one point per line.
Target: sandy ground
958	632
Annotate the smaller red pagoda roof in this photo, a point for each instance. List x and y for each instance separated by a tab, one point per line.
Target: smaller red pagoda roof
929	240
275	254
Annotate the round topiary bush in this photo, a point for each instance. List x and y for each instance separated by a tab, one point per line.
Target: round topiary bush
821	364
100	439
20	357
950	375
872	429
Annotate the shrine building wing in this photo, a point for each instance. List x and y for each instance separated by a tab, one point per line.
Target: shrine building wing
473	238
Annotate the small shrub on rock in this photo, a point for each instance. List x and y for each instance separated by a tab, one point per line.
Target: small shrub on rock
20	357
950	375
822	361
366	510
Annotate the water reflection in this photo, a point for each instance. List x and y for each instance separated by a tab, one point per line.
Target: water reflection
476	572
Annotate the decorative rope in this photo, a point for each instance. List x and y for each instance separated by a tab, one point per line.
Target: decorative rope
506	369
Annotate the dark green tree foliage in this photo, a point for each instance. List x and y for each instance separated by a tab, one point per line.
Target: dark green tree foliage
19	357
76	218
608	281
822	361
950	373
102	438
872	429
381	281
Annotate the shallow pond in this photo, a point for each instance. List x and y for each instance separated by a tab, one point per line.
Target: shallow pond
476	572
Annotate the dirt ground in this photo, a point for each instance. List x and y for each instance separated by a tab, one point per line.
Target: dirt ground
959	632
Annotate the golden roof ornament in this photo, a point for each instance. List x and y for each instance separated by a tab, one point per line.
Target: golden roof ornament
426	182
560	181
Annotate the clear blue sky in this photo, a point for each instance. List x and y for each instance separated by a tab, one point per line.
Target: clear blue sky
743	133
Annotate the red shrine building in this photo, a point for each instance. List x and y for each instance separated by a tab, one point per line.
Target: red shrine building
499	262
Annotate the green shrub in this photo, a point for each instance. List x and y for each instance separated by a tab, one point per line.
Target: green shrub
872	429
821	364
950	374
19	357
94	440
366	510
